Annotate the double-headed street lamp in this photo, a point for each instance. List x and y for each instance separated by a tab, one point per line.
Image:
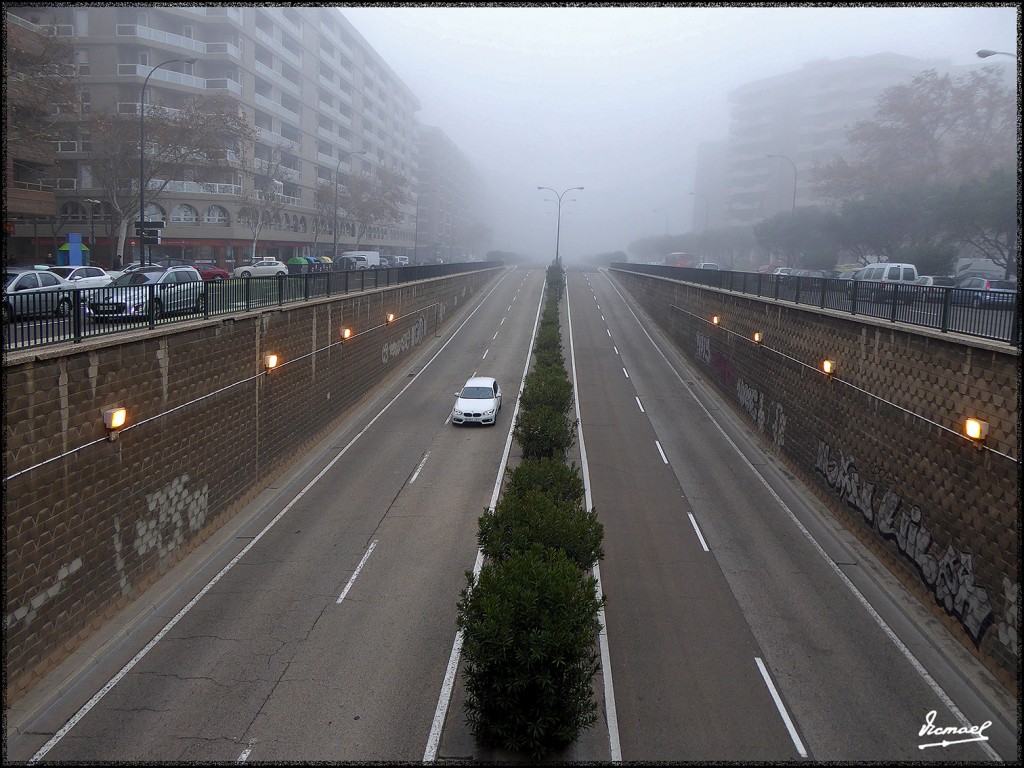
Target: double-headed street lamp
707	207
794	177
558	229
337	171
142	154
984	53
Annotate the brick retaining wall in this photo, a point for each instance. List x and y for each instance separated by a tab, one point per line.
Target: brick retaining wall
91	523
879	443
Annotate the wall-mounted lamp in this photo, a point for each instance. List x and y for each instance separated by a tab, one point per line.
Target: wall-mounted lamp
114	420
828	367
270	362
758	337
346	333
715	319
977	430
390	318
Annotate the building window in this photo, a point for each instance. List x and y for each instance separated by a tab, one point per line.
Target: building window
215	214
184	213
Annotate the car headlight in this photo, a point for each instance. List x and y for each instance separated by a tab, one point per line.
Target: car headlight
457	412
489	412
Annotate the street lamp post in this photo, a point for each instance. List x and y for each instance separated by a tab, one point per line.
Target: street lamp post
984	53
337	170
794	177
142	153
92	227
558	226
706	209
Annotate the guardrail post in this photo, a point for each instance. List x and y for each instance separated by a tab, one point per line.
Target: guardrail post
151	305
947	305
853	297
248	293
206	300
76	312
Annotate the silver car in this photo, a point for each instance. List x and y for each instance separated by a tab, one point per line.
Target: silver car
84	277
170	289
32	292
478	402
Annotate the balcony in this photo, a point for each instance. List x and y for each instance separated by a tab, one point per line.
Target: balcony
332	112
273	106
139	70
224	84
194	187
132	108
159	36
278	78
228	49
275	138
288	200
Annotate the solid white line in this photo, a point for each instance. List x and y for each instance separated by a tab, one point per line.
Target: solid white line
663	457
700	536
87	707
782	709
356	572
611	716
640	405
448	684
425	455
900	645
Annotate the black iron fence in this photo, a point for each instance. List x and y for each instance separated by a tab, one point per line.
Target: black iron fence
987	314
36	319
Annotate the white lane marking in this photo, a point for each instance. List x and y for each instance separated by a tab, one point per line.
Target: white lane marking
245	752
485	353
425	457
663	458
356	572
448	684
615	348
608	332
625	372
602	319
900	645
696	528
611	715
640	405
509	308
782	709
502	321
494	336
87	707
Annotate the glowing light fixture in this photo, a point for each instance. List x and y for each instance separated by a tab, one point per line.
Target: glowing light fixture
828	367
114	420
270	362
346	333
390	318
976	429
715	319
758	337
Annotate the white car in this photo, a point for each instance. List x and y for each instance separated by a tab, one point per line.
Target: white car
84	277
478	402
261	268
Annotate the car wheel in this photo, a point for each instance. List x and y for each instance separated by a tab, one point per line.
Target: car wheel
247	273
63	308
976	302
281	274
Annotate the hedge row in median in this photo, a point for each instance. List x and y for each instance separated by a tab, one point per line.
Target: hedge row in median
530	623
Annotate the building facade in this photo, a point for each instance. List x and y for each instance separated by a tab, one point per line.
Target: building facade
322	101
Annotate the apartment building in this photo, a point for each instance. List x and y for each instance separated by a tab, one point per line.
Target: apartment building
321	99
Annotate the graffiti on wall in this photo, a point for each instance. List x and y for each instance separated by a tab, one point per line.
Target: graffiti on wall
949	574
413	337
28	611
171	510
758	408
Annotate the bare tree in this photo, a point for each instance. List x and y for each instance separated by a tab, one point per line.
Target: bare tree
373	198
40	87
262	198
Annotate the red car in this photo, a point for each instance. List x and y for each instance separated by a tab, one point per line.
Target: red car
212	272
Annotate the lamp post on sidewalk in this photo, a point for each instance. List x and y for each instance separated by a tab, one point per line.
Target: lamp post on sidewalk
92	226
794	177
337	171
142	153
558	227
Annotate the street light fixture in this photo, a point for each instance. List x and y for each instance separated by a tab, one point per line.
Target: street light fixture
706	209
794	177
142	153
558	227
337	170
984	53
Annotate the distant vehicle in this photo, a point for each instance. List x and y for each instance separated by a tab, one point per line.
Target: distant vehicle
261	268
982	292
372	258
782	271
681	259
175	289
400	261
477	402
211	272
84	277
887	277
32	292
934	287
706	265
384	262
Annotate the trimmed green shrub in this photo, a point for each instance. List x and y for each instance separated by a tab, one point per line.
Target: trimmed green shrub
544	432
518	522
529	640
547	385
554	478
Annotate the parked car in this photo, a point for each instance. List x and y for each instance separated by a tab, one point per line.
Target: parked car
211	271
934	287
346	262
982	292
886	277
261	268
171	289
400	261
706	265
384	263
84	277
30	292
477	402
782	270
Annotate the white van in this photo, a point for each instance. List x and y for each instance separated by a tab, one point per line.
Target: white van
400	261
366	259
887	276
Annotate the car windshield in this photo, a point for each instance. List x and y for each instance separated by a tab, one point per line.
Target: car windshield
137	278
64	272
477	393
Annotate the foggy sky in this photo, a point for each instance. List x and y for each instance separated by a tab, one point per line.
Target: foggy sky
616	99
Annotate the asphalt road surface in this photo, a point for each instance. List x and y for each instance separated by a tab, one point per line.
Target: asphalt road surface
319	624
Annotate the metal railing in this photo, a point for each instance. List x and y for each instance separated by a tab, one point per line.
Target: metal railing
42	319
985	314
